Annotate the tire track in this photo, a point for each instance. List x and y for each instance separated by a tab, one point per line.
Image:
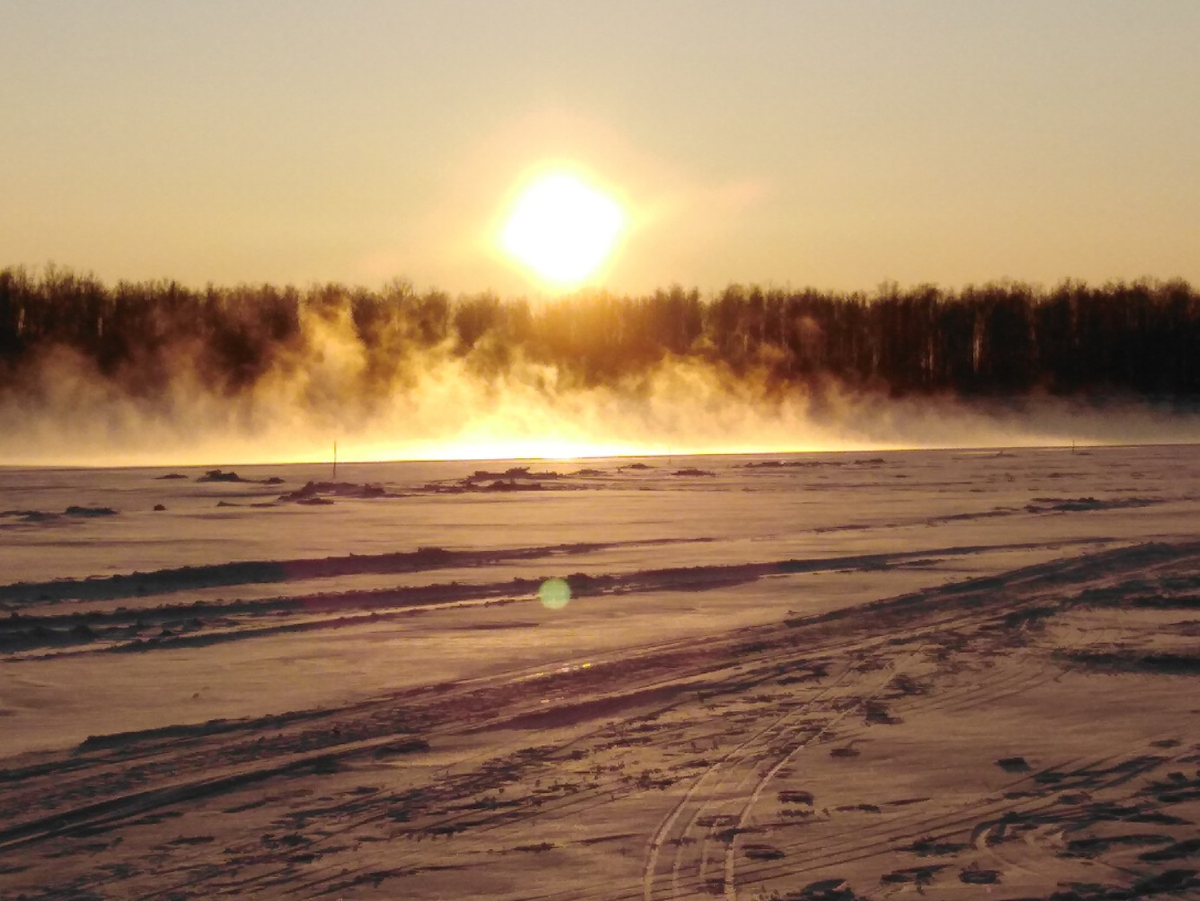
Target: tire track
656	842
718	665
959	819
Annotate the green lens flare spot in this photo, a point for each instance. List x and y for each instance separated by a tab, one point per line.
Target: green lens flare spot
554	594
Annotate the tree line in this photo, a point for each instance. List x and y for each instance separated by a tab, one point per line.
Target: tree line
1137	338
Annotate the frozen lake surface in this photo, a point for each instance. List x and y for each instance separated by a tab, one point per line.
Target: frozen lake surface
266	589
837	677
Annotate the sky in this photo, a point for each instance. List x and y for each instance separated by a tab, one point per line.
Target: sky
829	144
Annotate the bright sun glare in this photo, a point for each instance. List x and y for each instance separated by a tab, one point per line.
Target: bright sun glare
562	228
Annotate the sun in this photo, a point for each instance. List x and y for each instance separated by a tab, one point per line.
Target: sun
562	228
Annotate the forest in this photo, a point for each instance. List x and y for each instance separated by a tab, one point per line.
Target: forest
1135	339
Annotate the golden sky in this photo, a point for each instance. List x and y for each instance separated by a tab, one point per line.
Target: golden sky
833	144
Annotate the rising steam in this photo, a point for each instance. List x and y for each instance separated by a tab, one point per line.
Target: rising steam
227	377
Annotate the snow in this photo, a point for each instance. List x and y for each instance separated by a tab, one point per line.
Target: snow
690	579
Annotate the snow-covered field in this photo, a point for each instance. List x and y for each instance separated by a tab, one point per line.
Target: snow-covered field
823	677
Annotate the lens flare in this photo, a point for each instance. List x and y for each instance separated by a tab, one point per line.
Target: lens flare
554	594
562	228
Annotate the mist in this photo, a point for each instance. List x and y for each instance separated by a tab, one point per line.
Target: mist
156	374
